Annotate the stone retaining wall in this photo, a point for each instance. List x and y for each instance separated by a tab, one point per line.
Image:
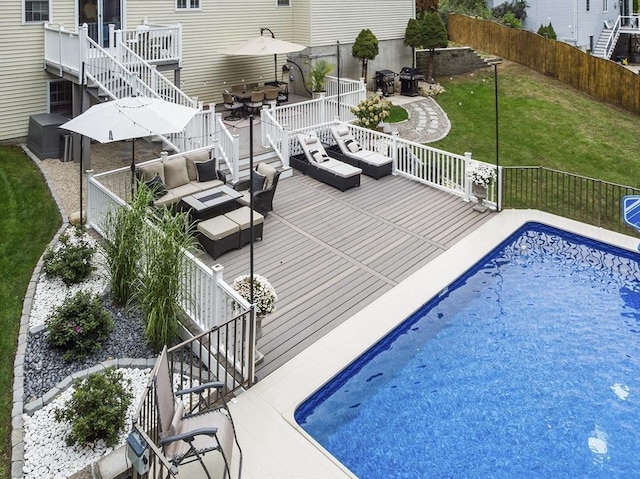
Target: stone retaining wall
449	61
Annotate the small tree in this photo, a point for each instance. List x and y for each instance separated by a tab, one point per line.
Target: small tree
365	48
318	75
434	35
547	31
413	36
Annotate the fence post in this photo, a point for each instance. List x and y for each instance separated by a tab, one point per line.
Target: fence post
540	188
284	147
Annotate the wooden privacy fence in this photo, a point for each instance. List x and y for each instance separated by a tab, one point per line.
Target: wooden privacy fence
577	197
600	78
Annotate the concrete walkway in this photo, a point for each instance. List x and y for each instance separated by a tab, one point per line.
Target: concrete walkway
427	121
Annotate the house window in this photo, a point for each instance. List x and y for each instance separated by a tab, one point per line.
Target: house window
36	11
60	98
283	3
188	4
588	5
605	7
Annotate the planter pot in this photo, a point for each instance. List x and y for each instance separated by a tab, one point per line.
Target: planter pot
480	192
319	94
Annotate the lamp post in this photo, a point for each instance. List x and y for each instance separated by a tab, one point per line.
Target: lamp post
275	57
495	62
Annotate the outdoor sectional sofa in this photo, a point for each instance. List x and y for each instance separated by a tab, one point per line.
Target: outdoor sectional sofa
180	176
315	162
371	163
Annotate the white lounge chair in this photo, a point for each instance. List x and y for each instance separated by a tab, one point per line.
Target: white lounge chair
317	163
372	163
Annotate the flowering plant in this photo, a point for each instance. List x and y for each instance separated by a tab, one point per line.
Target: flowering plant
481	174
432	89
371	111
264	296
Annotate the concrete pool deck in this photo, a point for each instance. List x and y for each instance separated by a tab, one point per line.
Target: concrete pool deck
274	446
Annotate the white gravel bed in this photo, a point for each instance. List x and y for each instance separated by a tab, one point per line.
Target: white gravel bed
46	453
51	292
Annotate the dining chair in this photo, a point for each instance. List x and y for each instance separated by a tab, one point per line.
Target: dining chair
234	106
271	95
254	104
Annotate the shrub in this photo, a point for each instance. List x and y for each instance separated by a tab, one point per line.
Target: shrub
97	408
71	259
264	295
547	31
371	111
79	326
510	20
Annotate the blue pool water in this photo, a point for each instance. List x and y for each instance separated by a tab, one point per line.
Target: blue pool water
527	367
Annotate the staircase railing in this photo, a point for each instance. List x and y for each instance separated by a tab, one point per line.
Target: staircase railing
156	43
149	74
613	38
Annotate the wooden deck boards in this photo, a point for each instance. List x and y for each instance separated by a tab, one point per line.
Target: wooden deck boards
330	253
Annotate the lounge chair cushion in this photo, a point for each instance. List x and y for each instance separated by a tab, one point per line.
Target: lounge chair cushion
206	170
175	172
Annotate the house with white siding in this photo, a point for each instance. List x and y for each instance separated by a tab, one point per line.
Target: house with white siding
44	46
603	27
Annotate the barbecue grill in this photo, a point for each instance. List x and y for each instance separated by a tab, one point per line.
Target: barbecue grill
385	81
409	78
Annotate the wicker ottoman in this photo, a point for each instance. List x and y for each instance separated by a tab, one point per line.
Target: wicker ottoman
218	235
241	218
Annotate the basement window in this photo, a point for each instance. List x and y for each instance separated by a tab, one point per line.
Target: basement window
588	5
283	3
36	11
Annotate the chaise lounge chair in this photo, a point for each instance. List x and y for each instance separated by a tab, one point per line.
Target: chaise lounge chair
373	164
187	435
319	165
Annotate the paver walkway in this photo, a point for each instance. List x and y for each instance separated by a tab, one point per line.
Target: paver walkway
427	121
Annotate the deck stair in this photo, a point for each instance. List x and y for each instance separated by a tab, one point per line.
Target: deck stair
606	42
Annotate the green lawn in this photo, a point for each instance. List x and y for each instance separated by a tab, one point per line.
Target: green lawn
542	122
28	221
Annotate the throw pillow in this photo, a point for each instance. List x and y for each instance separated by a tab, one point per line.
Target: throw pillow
156	186
175	172
352	146
257	184
269	172
147	172
192	159
206	170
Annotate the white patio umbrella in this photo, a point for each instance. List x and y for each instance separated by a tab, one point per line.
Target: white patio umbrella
263	45
130	118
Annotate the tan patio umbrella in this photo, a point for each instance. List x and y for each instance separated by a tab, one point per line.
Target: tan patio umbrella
263	45
130	118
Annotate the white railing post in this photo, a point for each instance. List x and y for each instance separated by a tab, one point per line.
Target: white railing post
264	126
286	135
323	107
83	34
467	182
394	152
216	296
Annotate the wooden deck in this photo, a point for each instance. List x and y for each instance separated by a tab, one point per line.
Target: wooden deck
330	253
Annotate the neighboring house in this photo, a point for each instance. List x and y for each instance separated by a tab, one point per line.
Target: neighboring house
181	39
587	24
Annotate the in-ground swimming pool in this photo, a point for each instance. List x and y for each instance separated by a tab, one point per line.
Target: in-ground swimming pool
528	366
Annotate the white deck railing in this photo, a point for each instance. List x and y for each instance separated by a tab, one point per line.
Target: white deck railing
431	166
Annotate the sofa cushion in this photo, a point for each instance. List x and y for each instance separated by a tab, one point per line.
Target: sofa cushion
175	172
184	190
168	199
206	185
192	159
269	172
206	170
147	172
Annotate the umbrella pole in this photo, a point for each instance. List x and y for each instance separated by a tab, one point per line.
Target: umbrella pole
133	165
275	71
